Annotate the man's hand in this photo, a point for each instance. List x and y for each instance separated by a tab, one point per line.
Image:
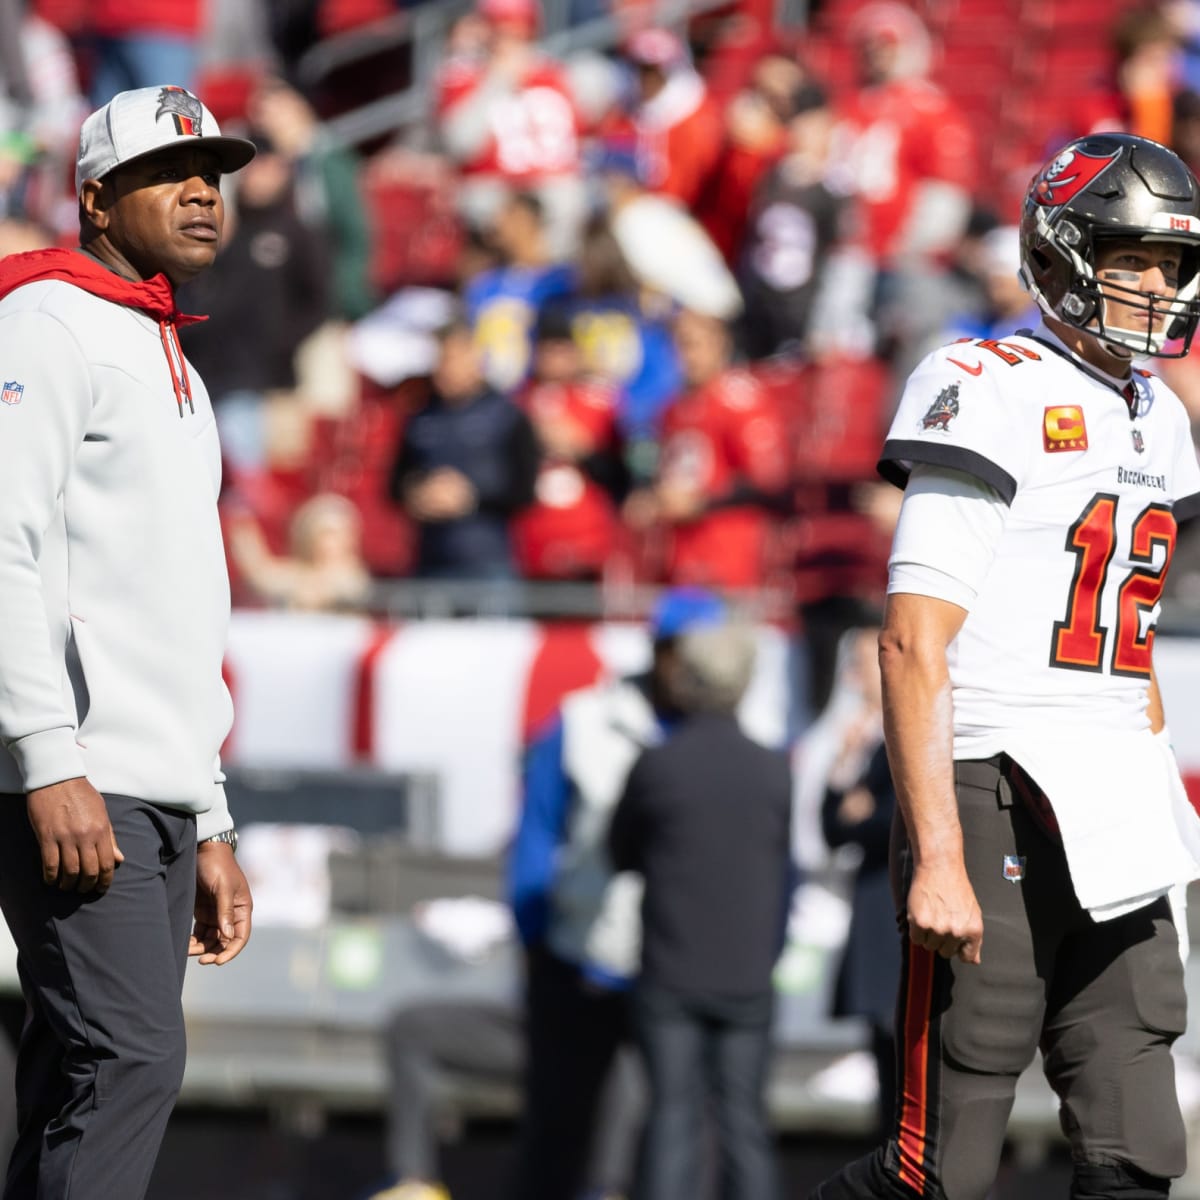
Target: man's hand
223	905
443	495
943	913
79	849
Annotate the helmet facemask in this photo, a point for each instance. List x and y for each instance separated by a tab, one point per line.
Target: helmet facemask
1158	322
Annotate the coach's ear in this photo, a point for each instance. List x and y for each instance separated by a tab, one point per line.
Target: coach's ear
95	199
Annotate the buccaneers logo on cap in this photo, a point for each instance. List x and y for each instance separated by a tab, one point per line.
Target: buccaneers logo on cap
1069	174
184	108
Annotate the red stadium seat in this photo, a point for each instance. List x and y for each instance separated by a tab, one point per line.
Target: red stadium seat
834	413
226	90
416	234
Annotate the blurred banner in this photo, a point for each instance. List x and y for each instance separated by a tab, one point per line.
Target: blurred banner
452	699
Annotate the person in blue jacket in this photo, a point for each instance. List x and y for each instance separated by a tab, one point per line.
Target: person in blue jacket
503	303
620	341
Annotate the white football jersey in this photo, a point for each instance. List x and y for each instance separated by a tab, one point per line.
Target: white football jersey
1062	629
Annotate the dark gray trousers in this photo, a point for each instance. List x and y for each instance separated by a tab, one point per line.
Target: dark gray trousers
698	1048
1104	1001
102	1052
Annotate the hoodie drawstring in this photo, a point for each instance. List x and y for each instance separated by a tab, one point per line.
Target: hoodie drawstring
179	379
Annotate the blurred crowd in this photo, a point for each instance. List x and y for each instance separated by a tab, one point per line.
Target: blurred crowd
636	311
616	316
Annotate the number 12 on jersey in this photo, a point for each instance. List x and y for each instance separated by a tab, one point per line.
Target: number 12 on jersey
1080	639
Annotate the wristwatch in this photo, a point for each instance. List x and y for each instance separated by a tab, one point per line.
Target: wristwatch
229	837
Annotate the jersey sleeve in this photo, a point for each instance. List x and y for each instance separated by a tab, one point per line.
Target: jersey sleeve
955	417
946	536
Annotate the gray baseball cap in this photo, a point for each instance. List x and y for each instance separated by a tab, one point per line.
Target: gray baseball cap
134	124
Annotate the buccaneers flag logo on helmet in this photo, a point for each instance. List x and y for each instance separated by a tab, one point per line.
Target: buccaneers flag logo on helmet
1069	174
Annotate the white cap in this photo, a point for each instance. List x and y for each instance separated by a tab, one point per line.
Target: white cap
137	123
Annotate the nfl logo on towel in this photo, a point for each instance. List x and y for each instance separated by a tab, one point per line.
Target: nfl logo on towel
13	391
1014	867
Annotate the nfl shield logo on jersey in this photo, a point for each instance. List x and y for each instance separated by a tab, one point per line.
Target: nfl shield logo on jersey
1139	442
1014	867
13	391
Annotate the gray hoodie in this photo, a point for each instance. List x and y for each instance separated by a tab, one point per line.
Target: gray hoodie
114	597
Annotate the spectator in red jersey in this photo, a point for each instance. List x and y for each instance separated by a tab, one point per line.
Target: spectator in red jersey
569	530
724	466
905	154
678	127
755	138
142	43
507	116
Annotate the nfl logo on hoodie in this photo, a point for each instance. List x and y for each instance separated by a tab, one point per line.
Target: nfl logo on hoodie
13	391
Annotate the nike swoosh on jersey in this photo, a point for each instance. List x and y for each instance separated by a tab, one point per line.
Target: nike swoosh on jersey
977	369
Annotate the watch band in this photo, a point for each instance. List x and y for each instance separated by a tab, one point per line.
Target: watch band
229	837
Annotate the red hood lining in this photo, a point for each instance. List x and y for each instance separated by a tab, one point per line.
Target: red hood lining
155	296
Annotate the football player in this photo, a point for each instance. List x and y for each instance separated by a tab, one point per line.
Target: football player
1044	819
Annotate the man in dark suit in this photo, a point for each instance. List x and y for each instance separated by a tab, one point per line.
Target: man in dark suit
705	818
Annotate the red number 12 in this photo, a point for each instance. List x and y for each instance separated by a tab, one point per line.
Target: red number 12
1079	639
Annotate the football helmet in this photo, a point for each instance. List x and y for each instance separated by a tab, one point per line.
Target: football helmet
1112	185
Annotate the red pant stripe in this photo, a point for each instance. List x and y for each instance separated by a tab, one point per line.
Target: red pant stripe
914	1059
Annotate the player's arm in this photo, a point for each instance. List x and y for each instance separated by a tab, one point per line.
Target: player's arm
943	913
950	524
